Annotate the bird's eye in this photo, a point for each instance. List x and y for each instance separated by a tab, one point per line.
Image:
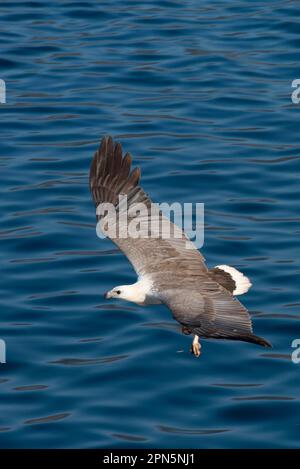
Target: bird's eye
118	292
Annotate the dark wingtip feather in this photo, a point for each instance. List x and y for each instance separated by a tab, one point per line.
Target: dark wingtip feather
135	176
255	339
127	160
110	173
110	147
126	165
103	146
118	153
263	342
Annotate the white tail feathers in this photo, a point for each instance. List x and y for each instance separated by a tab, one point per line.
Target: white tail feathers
242	283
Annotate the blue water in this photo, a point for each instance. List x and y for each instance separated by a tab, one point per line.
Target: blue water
200	93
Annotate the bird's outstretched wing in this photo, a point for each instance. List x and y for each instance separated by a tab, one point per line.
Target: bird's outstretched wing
210	311
111	177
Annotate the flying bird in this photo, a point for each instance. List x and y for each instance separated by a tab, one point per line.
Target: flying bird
170	270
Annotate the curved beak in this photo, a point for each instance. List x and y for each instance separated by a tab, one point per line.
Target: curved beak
106	295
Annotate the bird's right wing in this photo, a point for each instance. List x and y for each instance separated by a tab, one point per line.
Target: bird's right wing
211	311
151	251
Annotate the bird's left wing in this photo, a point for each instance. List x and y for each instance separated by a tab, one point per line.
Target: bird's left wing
160	245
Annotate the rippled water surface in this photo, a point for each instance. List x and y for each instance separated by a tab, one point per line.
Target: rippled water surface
200	93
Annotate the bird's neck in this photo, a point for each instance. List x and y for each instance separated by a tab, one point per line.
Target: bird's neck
138	291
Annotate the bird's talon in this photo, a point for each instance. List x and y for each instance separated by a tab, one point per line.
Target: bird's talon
196	347
196	350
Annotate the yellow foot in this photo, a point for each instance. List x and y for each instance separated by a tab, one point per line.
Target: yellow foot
196	347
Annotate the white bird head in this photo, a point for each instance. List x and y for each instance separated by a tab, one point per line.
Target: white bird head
128	293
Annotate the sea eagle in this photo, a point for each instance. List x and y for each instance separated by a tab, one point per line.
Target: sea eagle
170	270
